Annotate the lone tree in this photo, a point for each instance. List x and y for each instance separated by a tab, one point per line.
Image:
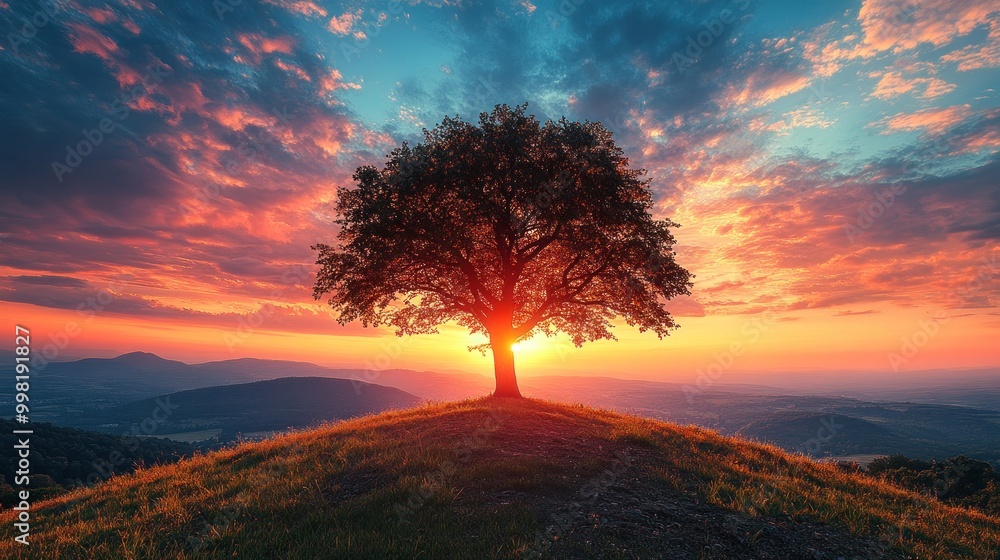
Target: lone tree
511	228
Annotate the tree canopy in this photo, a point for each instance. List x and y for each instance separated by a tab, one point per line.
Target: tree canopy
511	228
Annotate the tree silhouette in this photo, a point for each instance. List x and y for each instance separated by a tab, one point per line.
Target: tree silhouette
511	228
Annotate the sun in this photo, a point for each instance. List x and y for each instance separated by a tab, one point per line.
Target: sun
525	346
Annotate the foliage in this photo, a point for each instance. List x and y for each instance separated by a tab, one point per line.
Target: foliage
511	228
63	458
958	481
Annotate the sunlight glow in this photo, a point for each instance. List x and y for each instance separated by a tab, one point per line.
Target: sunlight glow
526	346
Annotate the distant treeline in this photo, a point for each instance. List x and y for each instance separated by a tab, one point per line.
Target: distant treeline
62	458
958	481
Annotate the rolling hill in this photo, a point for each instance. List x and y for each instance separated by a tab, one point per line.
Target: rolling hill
494	478
73	389
252	409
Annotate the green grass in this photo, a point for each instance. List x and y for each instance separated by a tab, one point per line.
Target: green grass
463	480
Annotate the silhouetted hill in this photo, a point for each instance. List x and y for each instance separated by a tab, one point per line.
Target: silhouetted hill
501	479
251	409
810	432
73	389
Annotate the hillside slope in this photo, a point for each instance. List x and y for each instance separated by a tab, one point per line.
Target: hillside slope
261	406
498	479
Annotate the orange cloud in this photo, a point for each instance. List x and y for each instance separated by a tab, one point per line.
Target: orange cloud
933	121
904	24
901	25
893	84
975	57
334	81
293	70
764	87
259	44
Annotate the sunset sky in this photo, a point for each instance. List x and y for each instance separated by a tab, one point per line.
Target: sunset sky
835	167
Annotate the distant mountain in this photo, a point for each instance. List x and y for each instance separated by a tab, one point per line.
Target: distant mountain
427	384
249	409
64	391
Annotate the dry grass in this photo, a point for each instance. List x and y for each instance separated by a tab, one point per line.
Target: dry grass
422	483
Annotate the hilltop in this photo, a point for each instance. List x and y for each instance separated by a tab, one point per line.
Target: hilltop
491	478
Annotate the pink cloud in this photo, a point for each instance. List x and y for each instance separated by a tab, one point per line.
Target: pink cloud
933	121
259	44
975	57
828	56
333	81
86	39
764	86
904	24
344	24
301	7
893	84
100	15
293	70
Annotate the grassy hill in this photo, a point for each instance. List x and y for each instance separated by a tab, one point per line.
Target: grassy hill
498	479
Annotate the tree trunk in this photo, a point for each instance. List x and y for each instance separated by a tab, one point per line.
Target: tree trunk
503	366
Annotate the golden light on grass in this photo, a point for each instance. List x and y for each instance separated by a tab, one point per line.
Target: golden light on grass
321	479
